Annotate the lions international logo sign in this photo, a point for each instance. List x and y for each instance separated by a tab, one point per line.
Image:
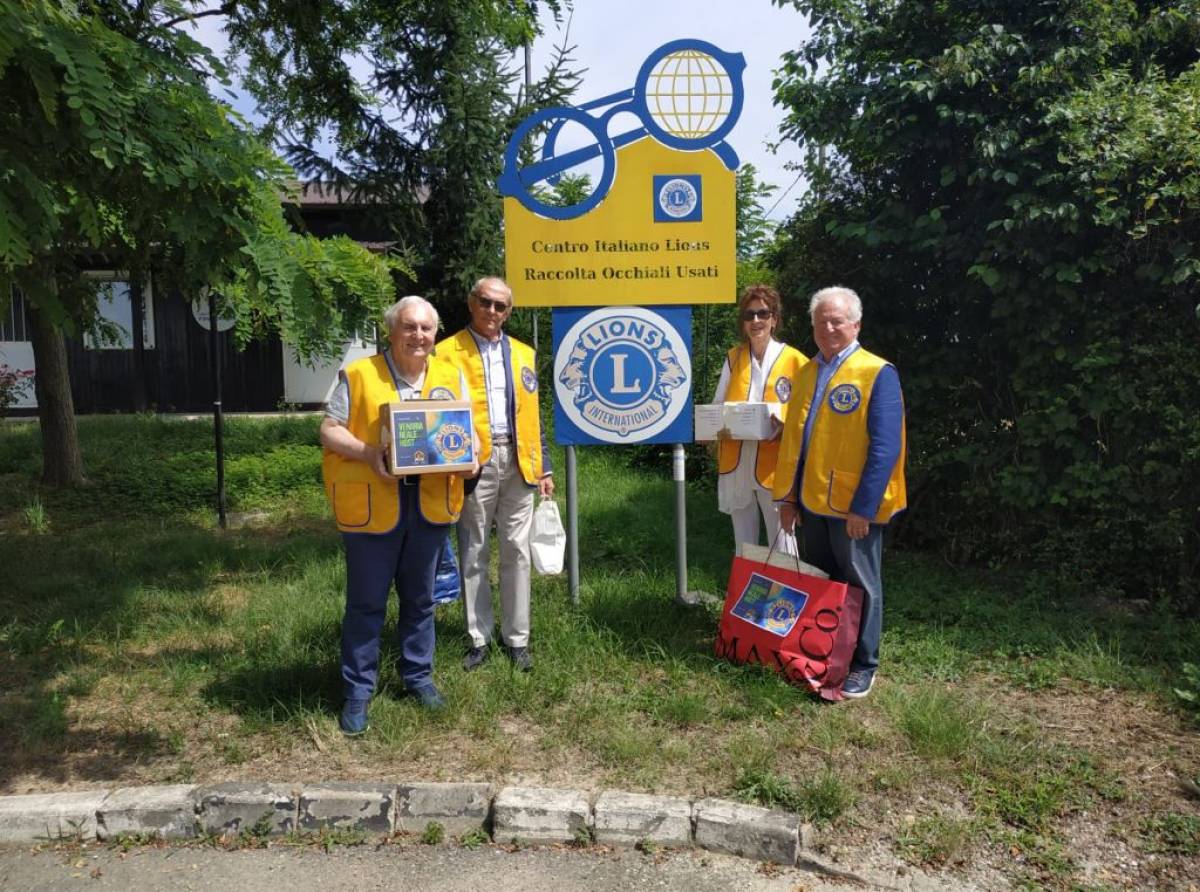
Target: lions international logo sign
622	375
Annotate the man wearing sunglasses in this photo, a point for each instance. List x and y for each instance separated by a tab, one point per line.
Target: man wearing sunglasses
501	375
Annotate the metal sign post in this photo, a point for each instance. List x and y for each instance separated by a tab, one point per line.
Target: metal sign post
572	528
678	468
218	412
623	265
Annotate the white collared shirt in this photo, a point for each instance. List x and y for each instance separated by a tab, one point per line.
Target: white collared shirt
495	381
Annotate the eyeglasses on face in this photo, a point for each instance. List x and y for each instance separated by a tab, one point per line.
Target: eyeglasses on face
487	303
751	315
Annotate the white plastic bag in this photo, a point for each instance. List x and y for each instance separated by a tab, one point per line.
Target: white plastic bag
547	539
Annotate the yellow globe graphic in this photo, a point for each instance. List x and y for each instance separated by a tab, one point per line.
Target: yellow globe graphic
688	94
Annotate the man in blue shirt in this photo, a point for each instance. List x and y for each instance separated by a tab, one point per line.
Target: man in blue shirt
841	465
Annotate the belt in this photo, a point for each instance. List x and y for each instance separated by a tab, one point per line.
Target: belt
502	440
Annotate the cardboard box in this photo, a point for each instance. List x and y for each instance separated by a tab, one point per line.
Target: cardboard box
428	436
710	418
743	420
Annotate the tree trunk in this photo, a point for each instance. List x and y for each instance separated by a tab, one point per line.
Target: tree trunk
62	462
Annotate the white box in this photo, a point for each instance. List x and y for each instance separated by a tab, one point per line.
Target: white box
749	421
710	418
428	436
743	420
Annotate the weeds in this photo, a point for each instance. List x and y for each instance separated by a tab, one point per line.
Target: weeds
935	841
1171	834
583	837
473	839
1189	693
821	798
36	518
434	834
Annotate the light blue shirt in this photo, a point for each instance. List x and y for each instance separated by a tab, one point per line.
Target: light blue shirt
825	373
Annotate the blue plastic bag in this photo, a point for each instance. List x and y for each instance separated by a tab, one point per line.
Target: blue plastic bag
446	581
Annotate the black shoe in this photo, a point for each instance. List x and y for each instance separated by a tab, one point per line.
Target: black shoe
520	658
475	658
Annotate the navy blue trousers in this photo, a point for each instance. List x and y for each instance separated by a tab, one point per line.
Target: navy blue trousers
854	561
406	557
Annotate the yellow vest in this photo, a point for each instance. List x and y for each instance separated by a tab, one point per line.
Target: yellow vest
779	387
463	352
837	448
362	501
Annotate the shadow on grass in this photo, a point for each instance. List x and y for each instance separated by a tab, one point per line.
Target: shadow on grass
939	621
277	693
124	600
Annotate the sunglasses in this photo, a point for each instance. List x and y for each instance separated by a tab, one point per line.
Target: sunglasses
487	303
751	315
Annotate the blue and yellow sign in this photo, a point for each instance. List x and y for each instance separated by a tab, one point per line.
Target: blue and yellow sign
658	225
622	375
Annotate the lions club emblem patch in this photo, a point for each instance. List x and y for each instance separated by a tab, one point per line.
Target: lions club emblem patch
451	442
623	374
783	388
528	379
844	398
441	393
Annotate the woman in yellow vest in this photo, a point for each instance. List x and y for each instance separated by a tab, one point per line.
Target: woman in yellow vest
759	369
393	529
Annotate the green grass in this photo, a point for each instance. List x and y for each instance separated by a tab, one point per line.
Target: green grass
131	626
936	840
1171	834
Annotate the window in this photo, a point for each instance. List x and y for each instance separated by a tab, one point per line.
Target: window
13	324
116	312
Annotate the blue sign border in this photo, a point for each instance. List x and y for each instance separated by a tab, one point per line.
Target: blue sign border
567	432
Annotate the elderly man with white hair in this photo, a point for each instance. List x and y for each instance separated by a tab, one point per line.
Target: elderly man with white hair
393	529
840	472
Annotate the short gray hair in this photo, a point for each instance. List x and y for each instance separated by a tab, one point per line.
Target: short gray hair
477	288
837	292
392	314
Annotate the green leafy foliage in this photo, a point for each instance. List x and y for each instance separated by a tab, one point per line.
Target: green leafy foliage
420	124
1013	190
1189	692
114	144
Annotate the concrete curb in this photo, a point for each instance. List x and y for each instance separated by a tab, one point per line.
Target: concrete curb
511	814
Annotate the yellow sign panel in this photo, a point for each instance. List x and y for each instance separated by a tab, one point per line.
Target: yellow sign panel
663	235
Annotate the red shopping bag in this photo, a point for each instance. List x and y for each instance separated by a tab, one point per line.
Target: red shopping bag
803	627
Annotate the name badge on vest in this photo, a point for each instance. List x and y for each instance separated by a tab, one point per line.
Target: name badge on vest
844	398
783	388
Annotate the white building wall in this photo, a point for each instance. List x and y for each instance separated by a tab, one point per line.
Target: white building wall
302	384
19	355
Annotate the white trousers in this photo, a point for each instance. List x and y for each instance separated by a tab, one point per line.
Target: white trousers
745	523
504	498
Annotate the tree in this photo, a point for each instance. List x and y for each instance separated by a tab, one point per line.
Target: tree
1013	188
755	232
112	145
418	118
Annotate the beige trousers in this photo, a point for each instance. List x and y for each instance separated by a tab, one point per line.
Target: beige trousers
504	498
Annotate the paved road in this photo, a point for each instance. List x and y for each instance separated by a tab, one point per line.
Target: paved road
411	867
